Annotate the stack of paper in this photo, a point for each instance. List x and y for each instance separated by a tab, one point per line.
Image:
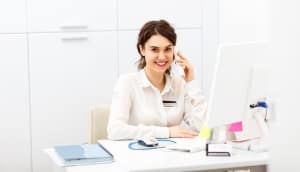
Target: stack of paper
83	154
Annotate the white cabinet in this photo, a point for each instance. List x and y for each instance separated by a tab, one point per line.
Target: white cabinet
12	16
128	54
70	15
69	73
189	42
14	106
181	13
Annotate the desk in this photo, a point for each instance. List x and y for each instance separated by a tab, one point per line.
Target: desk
165	160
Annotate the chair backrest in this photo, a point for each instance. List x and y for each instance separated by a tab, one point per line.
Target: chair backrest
98	119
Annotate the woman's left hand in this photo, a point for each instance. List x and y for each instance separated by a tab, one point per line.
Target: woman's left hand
186	65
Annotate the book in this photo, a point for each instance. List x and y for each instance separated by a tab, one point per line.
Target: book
85	154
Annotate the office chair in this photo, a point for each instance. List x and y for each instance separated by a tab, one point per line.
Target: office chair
98	119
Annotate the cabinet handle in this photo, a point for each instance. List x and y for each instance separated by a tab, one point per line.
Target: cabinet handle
75	38
74	27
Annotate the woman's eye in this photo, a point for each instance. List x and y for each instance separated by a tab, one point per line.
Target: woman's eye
154	49
168	50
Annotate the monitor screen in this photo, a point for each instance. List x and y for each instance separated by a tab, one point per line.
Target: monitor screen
232	85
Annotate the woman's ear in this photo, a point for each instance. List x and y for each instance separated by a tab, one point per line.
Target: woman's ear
142	50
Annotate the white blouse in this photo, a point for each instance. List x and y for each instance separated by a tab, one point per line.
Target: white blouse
138	108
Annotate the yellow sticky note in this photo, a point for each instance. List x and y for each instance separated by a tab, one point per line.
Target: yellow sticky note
205	132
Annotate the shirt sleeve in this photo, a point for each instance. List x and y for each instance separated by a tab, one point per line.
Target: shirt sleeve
195	107
118	125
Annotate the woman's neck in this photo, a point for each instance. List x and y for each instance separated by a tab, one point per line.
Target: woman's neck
156	79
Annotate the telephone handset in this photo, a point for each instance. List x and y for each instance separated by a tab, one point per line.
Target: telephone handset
176	69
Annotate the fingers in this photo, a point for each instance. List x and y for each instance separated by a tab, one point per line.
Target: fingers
180	55
185	133
190	133
186	65
177	131
182	61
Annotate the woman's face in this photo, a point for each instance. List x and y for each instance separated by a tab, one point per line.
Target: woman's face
158	52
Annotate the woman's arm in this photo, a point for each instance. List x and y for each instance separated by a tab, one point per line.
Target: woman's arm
195	107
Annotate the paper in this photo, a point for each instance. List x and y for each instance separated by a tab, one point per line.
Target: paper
251	130
205	132
236	127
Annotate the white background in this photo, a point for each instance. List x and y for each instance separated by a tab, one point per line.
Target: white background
286	83
59	57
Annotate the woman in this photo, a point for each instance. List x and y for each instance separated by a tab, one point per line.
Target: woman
151	102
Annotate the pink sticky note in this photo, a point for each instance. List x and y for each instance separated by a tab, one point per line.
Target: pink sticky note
236	126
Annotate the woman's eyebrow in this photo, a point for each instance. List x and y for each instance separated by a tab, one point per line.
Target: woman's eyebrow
153	46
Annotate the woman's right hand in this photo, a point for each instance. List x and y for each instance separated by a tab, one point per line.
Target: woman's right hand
177	131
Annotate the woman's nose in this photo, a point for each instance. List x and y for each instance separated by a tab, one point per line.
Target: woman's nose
162	55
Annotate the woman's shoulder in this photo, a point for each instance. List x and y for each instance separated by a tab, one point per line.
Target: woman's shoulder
128	78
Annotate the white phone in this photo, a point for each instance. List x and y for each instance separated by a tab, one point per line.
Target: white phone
176	69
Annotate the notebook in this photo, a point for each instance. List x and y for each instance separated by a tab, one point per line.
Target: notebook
83	154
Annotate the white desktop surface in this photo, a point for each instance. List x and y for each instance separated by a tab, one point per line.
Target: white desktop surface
165	160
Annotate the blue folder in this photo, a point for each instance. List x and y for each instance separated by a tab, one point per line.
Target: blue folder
83	154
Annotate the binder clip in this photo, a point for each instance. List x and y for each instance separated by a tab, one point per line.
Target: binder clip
261	107
218	149
262	104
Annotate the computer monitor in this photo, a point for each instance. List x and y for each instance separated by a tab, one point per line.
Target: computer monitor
232	85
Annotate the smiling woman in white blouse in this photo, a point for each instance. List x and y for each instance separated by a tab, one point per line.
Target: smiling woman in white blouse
152	102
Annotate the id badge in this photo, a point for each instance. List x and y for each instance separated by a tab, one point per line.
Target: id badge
170	102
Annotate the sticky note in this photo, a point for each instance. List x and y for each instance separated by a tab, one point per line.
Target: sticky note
236	126
205	132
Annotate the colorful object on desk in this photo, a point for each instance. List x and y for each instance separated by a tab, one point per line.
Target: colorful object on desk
205	132
259	104
236	126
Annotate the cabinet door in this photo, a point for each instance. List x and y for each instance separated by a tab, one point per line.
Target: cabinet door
14	104
128	53
70	15
181	13
189	42
69	73
12	16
